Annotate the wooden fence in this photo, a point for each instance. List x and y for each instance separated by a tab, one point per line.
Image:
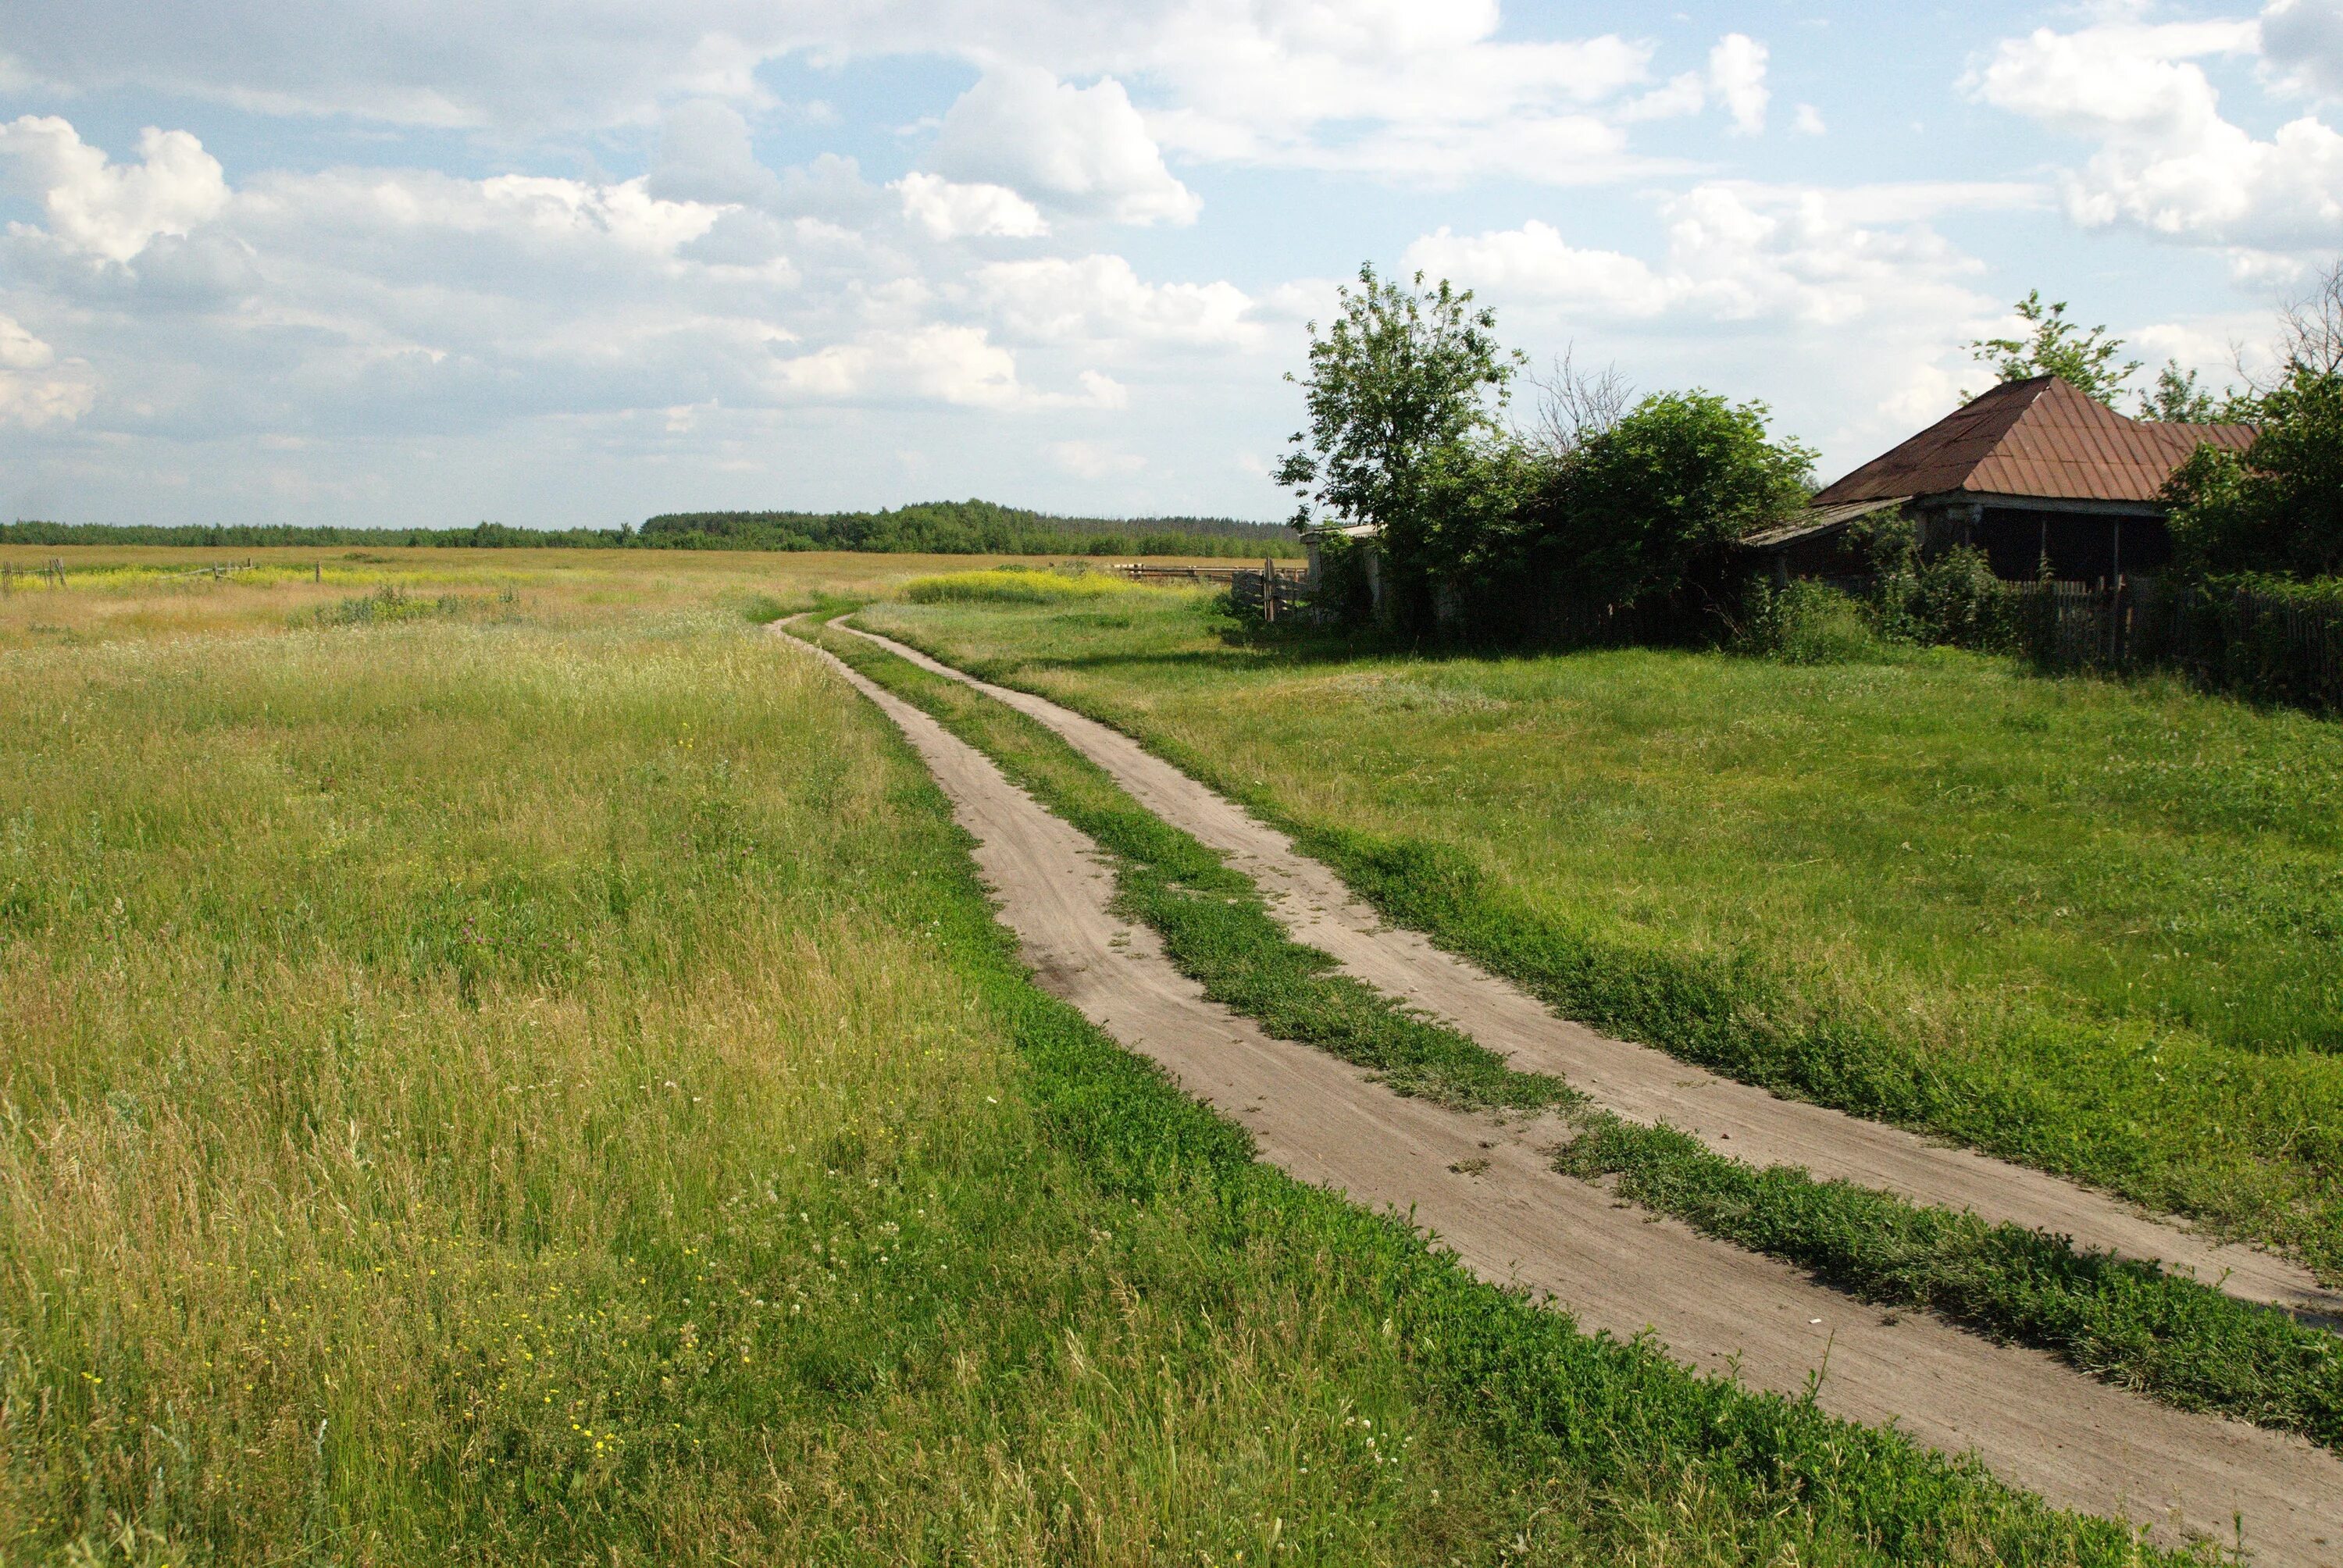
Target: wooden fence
2275	646
50	573
1271	592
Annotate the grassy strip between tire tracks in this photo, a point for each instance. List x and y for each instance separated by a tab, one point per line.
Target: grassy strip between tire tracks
2124	1321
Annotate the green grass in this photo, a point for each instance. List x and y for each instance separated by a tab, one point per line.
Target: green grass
2090	926
1019	586
2129	1323
554	1091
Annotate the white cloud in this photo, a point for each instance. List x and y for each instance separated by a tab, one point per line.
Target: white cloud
948	210
1734	252
945	364
1736	69
1299	83
1094	460
2165	160
2302	44
30	395
107	210
704	154
1535	262
1085	149
1103	391
1808	121
1101	297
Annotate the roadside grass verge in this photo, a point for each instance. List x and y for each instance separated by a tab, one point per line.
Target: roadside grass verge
539	1094
2125	1323
2088	927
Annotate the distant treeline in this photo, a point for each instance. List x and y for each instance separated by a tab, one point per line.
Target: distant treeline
937	528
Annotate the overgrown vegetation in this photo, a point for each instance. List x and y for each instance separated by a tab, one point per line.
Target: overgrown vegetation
583	1109
2085	926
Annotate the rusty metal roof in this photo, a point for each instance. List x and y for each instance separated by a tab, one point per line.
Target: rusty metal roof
2037	437
1817	520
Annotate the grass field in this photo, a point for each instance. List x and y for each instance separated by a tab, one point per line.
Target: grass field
539	1081
2088	925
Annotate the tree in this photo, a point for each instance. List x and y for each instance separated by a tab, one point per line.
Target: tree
2310	329
2178	399
2277	507
2084	359
1652	510
1404	377
1574	406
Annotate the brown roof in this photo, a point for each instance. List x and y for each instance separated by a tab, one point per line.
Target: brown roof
2037	437
1817	520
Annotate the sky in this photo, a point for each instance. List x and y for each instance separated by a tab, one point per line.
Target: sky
571	263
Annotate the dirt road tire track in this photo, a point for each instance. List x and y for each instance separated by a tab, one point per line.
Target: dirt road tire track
2079	1443
1637	1082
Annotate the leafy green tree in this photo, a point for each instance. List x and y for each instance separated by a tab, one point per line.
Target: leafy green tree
1650	511
2179	399
2085	359
1403	378
2277	507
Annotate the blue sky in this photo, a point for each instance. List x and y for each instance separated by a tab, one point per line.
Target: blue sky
426	262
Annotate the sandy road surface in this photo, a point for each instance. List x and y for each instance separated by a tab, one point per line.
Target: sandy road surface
1635	1080
2078	1442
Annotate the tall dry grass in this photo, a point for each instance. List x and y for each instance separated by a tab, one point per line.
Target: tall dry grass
519	1091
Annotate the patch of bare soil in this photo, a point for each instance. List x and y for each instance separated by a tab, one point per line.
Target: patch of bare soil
1486	1190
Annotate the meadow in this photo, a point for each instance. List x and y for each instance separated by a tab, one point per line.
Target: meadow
2089	926
535	1079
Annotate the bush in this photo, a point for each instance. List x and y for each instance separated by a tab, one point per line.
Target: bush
1654	508
1956	599
2278	506
1812	623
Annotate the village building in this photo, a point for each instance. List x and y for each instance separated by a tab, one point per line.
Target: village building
2035	471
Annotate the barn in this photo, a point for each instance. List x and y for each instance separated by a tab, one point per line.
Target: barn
2033	471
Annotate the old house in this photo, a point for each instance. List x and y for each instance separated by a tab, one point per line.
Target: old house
2034	471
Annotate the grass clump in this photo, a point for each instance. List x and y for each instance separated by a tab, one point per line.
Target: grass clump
1004	586
2127	1322
391	604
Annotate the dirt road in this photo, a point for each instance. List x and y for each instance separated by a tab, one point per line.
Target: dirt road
2079	1443
1635	1080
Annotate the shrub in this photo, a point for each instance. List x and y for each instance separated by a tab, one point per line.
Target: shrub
1811	623
1956	599
2278	506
